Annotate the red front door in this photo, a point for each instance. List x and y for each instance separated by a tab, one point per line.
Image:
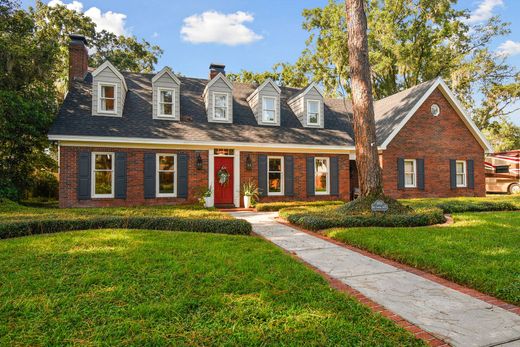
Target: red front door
223	180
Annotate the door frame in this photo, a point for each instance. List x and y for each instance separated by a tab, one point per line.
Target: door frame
236	175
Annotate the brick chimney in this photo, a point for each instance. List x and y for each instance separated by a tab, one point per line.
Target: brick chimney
78	58
215	69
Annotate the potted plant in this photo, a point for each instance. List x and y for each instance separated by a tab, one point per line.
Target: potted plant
203	194
250	191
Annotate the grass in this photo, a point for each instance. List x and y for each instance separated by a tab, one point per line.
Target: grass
480	250
12	212
120	287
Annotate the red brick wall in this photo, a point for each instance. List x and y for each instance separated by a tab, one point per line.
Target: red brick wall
78	61
300	192
135	178
437	140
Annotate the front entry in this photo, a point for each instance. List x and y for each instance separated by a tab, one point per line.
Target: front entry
223	180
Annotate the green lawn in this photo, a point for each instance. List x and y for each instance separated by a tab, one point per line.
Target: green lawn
144	288
480	250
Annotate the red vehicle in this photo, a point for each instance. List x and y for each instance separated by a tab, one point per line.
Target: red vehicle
503	172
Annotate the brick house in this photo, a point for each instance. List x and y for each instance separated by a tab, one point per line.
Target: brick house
145	139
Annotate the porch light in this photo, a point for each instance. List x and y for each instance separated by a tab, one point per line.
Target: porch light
199	162
249	163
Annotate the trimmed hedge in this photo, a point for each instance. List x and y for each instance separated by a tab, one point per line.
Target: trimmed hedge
277	206
319	221
46	226
460	205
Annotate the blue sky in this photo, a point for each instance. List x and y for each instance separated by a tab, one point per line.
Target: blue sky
195	33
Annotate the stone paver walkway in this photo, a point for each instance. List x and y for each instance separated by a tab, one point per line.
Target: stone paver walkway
452	316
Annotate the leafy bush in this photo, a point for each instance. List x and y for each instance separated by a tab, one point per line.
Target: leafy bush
318	220
458	205
44	185
276	206
45	226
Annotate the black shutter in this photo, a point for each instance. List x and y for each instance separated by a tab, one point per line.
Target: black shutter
400	173
471	174
84	162
149	175
453	173
262	174
310	176
120	175
182	176
420	173
289	175
334	176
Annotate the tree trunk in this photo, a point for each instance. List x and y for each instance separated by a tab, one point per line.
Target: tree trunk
367	158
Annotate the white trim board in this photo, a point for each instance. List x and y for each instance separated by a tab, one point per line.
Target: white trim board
452	99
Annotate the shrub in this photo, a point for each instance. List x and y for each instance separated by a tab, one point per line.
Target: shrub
459	205
276	206
45	226
316	220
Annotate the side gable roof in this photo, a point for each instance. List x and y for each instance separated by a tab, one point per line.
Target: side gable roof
393	112
112	68
166	70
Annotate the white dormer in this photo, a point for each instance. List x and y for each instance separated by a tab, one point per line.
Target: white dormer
166	95
265	103
218	97
308	106
108	91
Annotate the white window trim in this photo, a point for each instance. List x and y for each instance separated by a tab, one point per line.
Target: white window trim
264	109
93	176
215	94
99	98
282	177
414	185
308	113
465	184
175	174
327	192
159	114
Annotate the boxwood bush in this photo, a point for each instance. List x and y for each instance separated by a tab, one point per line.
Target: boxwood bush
467	204
205	225
277	206
319	220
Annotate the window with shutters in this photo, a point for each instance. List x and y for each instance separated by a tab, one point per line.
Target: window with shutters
166	175
275	175
102	175
460	167
321	176
166	102
107	102
410	173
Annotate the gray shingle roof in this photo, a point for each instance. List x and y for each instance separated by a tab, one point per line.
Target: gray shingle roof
75	117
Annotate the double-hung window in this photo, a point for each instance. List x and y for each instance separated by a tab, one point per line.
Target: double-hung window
268	109
410	173
102	175
313	112
275	175
220	106
460	168
107	98
166	104
321	176
166	179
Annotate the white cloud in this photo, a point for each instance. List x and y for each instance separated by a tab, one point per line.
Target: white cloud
110	21
216	27
509	48
484	10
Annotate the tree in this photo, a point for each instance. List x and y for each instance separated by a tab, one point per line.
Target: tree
367	158
283	74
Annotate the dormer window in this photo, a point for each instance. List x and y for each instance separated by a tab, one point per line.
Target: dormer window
268	109
107	98
313	112
166	102
220	106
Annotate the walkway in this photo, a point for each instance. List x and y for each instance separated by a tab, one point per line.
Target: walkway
452	316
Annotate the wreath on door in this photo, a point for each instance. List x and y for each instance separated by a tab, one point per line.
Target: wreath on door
223	176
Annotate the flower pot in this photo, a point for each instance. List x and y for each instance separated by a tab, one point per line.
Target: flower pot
247	201
206	203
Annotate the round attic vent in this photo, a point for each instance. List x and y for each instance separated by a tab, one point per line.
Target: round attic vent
435	109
